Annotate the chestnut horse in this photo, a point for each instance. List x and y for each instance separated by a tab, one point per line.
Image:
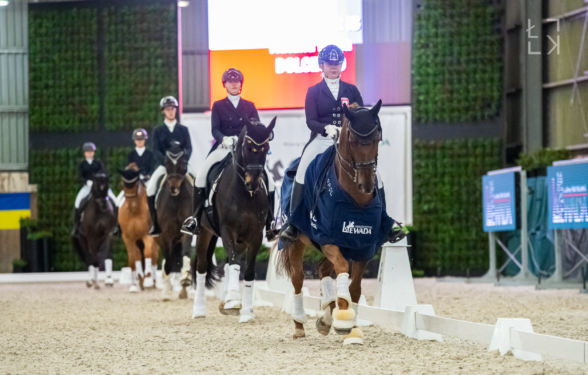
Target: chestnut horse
134	221
355	161
174	204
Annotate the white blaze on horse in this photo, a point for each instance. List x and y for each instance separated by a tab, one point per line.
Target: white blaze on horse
341	214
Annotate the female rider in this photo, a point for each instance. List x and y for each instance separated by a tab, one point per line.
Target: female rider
228	119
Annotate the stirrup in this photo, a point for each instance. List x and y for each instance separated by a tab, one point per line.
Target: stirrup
289	233
154	232
190	226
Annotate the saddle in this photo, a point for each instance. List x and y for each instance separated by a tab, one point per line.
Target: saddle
214	174
191	180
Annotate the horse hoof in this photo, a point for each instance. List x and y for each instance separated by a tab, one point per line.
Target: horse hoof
343	321
298	334
89	284
322	328
183	294
342	331
133	289
96	286
234	311
355	337
247	319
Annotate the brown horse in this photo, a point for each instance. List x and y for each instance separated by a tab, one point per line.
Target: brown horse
97	223
355	161
134	221
174	204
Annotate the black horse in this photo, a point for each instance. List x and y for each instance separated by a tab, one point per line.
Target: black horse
174	204
97	223
240	212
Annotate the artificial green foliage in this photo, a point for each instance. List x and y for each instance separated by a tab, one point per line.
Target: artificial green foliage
457	62
541	158
447	180
141	63
55	171
63	71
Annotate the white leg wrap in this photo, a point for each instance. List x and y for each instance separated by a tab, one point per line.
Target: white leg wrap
233	290
199	309
134	288
327	292
327	316
247	308
90	273
185	268
343	287
149	279
298	313
167	287
95	278
139	268
108	268
148	267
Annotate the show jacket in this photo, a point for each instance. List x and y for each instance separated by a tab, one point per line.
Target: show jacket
87	171
227	120
322	109
144	162
162	138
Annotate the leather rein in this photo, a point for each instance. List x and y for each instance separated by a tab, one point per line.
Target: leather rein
356	166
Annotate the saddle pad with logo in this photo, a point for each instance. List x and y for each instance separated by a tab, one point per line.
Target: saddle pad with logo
329	215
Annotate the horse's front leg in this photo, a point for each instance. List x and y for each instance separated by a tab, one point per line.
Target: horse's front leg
355	336
249	279
328	297
295	256
344	316
232	303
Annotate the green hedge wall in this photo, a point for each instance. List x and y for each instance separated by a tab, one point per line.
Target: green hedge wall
457	61
55	171
63	71
141	63
448	203
96	67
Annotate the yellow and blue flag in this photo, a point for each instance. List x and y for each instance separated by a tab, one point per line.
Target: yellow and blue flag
13	207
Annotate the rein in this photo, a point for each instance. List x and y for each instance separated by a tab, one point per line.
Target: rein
373	163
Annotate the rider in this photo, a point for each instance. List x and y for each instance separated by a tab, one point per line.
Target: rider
228	119
324	116
163	135
142	157
87	169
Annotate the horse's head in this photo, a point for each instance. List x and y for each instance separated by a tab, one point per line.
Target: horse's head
176	165
252	148
358	146
130	180
100	185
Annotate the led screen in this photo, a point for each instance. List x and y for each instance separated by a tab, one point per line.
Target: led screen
499	202
568	190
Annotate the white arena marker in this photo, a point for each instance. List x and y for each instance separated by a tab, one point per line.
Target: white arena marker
362	322
395	286
501	340
409	327
126	276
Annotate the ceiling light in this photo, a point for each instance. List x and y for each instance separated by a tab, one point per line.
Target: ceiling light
183	4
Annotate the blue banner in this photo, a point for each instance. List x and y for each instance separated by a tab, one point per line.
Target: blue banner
568	196
499	202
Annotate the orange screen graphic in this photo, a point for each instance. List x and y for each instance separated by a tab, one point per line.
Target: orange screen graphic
263	86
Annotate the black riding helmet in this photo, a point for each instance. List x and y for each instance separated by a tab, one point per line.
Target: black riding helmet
168	101
331	54
233	74
88	146
139	134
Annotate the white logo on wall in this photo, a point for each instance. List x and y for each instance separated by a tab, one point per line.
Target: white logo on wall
359	229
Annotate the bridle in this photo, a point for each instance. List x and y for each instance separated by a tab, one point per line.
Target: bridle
254	167
174	158
353	164
133	180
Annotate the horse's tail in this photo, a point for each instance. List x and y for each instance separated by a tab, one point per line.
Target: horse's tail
141	245
283	264
212	271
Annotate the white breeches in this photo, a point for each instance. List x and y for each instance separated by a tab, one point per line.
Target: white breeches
319	145
85	191
160	171
216	156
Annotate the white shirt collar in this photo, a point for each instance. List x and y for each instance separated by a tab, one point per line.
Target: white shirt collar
140	150
89	161
234	99
332	82
170	124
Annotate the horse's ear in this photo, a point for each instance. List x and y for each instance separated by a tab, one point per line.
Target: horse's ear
350	115
272	123
375	109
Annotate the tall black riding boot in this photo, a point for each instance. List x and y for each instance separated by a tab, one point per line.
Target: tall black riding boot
155	230
116	231
192	224
289	232
77	217
270	231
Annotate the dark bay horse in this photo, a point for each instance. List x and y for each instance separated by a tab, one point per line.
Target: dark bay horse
98	221
241	207
134	220
174	204
355	161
